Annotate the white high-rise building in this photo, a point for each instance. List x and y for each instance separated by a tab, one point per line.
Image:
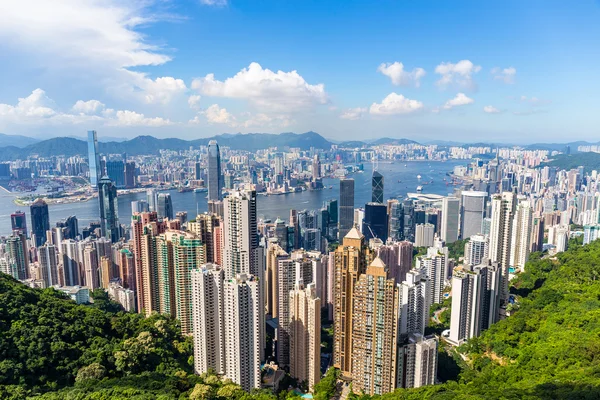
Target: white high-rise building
435	265
424	235
475	298
521	235
503	210
476	250
305	334
450	219
48	264
413	303
90	267
244	335
286	273
418	361
208	319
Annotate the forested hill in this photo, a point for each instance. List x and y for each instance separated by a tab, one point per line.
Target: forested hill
548	349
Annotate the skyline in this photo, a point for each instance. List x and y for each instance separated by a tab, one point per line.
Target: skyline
191	69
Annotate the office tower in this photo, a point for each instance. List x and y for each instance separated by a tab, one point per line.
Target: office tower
305	334
332	211
40	221
71	227
16	246
139	206
197	171
241	253
208	319
286	277
70	263
418	362
472	211
215	176
395	220
93	159
413	304
18	222
375	221
346	214
244	335
109	210
476	250
408	221
152	199
130	175
90	267
377	188
537	234
294	237
503	210
351	259
475	300
450	219
116	172
281	233
435	265
521	235
424	235
316	168
359	217
275	253
165	206
374	331
49	264
204	227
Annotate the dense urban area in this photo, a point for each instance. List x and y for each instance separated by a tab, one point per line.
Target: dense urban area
485	289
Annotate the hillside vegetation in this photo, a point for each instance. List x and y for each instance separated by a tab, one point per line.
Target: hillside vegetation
590	161
51	347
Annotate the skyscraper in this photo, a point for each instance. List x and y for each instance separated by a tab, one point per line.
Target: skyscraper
40	221
503	210
215	176
450	219
17	251
377	187
93	159
346	214
472	211
351	260
374	331
305	334
424	234
413	304
521	234
109	210
418	362
375	222
115	169
165	206
152	199
275	253
286	277
435	265
48	263
18	222
476	250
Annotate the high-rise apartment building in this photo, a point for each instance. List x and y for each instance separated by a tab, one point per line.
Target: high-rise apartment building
275	253
413	304
374	331
16	246
40	221
418	360
93	159
435	266
476	250
521	234
346	214
424	234
48	258
450	219
90	267
503	211
204	227
109	209
305	334
286	278
215	174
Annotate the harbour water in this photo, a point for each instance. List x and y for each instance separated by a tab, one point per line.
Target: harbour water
399	179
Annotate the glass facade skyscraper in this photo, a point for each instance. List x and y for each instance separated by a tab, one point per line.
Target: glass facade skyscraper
93	159
346	207
215	176
40	221
109	211
165	206
377	188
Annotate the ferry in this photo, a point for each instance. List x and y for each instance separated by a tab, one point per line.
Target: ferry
418	176
201	190
419	189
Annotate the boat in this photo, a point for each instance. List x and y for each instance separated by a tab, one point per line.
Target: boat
419	189
200	190
184	189
418	176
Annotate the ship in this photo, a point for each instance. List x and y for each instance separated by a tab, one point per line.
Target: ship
418	176
200	190
184	189
419	189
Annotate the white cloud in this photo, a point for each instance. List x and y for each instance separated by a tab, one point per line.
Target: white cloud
507	75
399	76
395	104
491	110
534	101
132	118
267	90
37	105
353	113
459	74
89	107
215	3
162	90
217	115
459	100
194	101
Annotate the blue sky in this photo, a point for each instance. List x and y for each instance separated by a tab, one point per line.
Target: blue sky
518	71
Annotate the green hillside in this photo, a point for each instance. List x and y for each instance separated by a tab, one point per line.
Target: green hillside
590	161
548	349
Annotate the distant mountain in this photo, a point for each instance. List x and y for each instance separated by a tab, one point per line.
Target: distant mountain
387	140
351	144
16	140
559	146
589	161
150	145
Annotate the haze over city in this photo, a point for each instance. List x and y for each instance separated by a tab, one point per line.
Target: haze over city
511	71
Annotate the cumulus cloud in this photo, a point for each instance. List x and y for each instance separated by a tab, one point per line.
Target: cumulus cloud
162	90
459	100
491	110
217	115
132	118
37	105
459	74
353	113
89	107
395	104
194	101
506	75
399	76
266	90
